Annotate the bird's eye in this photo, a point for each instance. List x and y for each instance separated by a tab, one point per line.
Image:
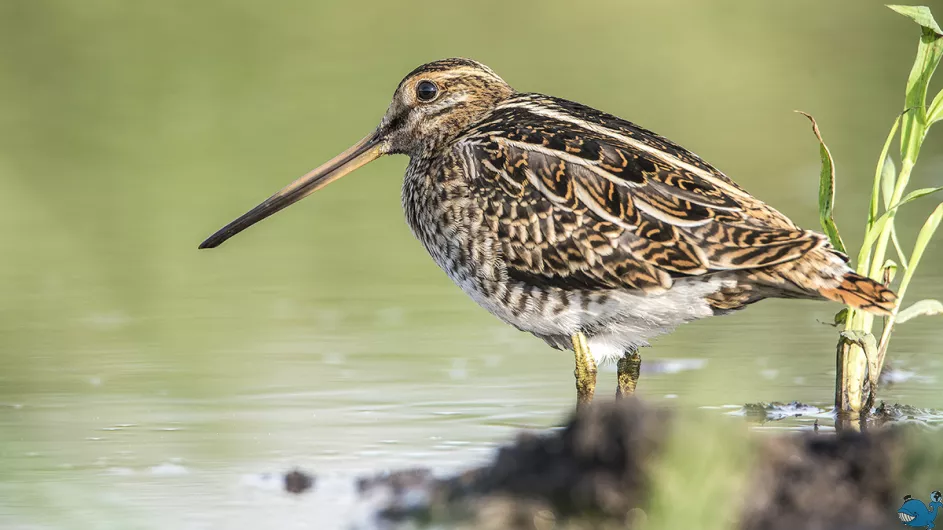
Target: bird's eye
426	91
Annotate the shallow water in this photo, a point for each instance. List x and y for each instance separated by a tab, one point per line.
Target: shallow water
144	384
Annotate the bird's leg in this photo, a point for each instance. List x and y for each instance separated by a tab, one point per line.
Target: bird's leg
585	370
629	367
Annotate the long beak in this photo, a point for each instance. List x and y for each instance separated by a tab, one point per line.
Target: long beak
364	151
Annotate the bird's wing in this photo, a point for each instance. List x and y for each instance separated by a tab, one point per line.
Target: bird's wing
582	199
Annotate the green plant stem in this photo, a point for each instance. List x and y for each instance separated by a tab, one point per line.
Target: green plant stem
926	233
870	264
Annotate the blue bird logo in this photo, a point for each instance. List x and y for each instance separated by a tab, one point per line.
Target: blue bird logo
914	513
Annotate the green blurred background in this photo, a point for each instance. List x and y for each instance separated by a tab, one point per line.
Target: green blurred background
143	380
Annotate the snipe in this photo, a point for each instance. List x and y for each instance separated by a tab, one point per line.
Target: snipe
581	228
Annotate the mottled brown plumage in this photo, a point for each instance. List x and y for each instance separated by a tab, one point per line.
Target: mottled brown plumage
565	221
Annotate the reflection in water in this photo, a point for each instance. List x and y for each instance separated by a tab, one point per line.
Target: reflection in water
141	380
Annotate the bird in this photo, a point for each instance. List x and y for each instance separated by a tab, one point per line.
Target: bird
581	228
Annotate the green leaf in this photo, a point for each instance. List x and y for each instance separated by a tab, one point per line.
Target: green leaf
925	235
923	239
923	307
888	179
920	14
929	52
841	316
899	248
879	173
826	189
872	234
916	194
935	112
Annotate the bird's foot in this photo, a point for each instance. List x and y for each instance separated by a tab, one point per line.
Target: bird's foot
585	370
630	365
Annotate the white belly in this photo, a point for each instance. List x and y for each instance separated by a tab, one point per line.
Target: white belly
626	320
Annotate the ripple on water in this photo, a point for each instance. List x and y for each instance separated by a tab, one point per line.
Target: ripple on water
893	376
168	469
673	366
800	416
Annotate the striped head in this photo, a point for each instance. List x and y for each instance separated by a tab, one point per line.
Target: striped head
432	106
434	103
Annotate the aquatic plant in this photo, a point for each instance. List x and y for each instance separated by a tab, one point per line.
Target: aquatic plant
861	355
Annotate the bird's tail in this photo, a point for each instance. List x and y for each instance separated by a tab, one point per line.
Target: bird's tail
824	272
862	293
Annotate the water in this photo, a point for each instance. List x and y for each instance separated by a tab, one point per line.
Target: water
144	384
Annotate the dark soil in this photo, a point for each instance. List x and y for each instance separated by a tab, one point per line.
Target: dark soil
595	468
824	482
298	481
596	472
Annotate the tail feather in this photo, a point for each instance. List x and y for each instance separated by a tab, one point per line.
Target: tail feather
862	293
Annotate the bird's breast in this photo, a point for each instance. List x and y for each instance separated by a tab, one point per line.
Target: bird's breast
443	215
447	217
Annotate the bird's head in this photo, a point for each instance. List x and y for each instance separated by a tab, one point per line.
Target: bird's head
936	496
432	105
437	101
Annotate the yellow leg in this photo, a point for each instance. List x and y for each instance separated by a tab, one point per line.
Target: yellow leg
585	370
629	367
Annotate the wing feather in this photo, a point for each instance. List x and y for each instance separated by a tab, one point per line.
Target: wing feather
586	200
